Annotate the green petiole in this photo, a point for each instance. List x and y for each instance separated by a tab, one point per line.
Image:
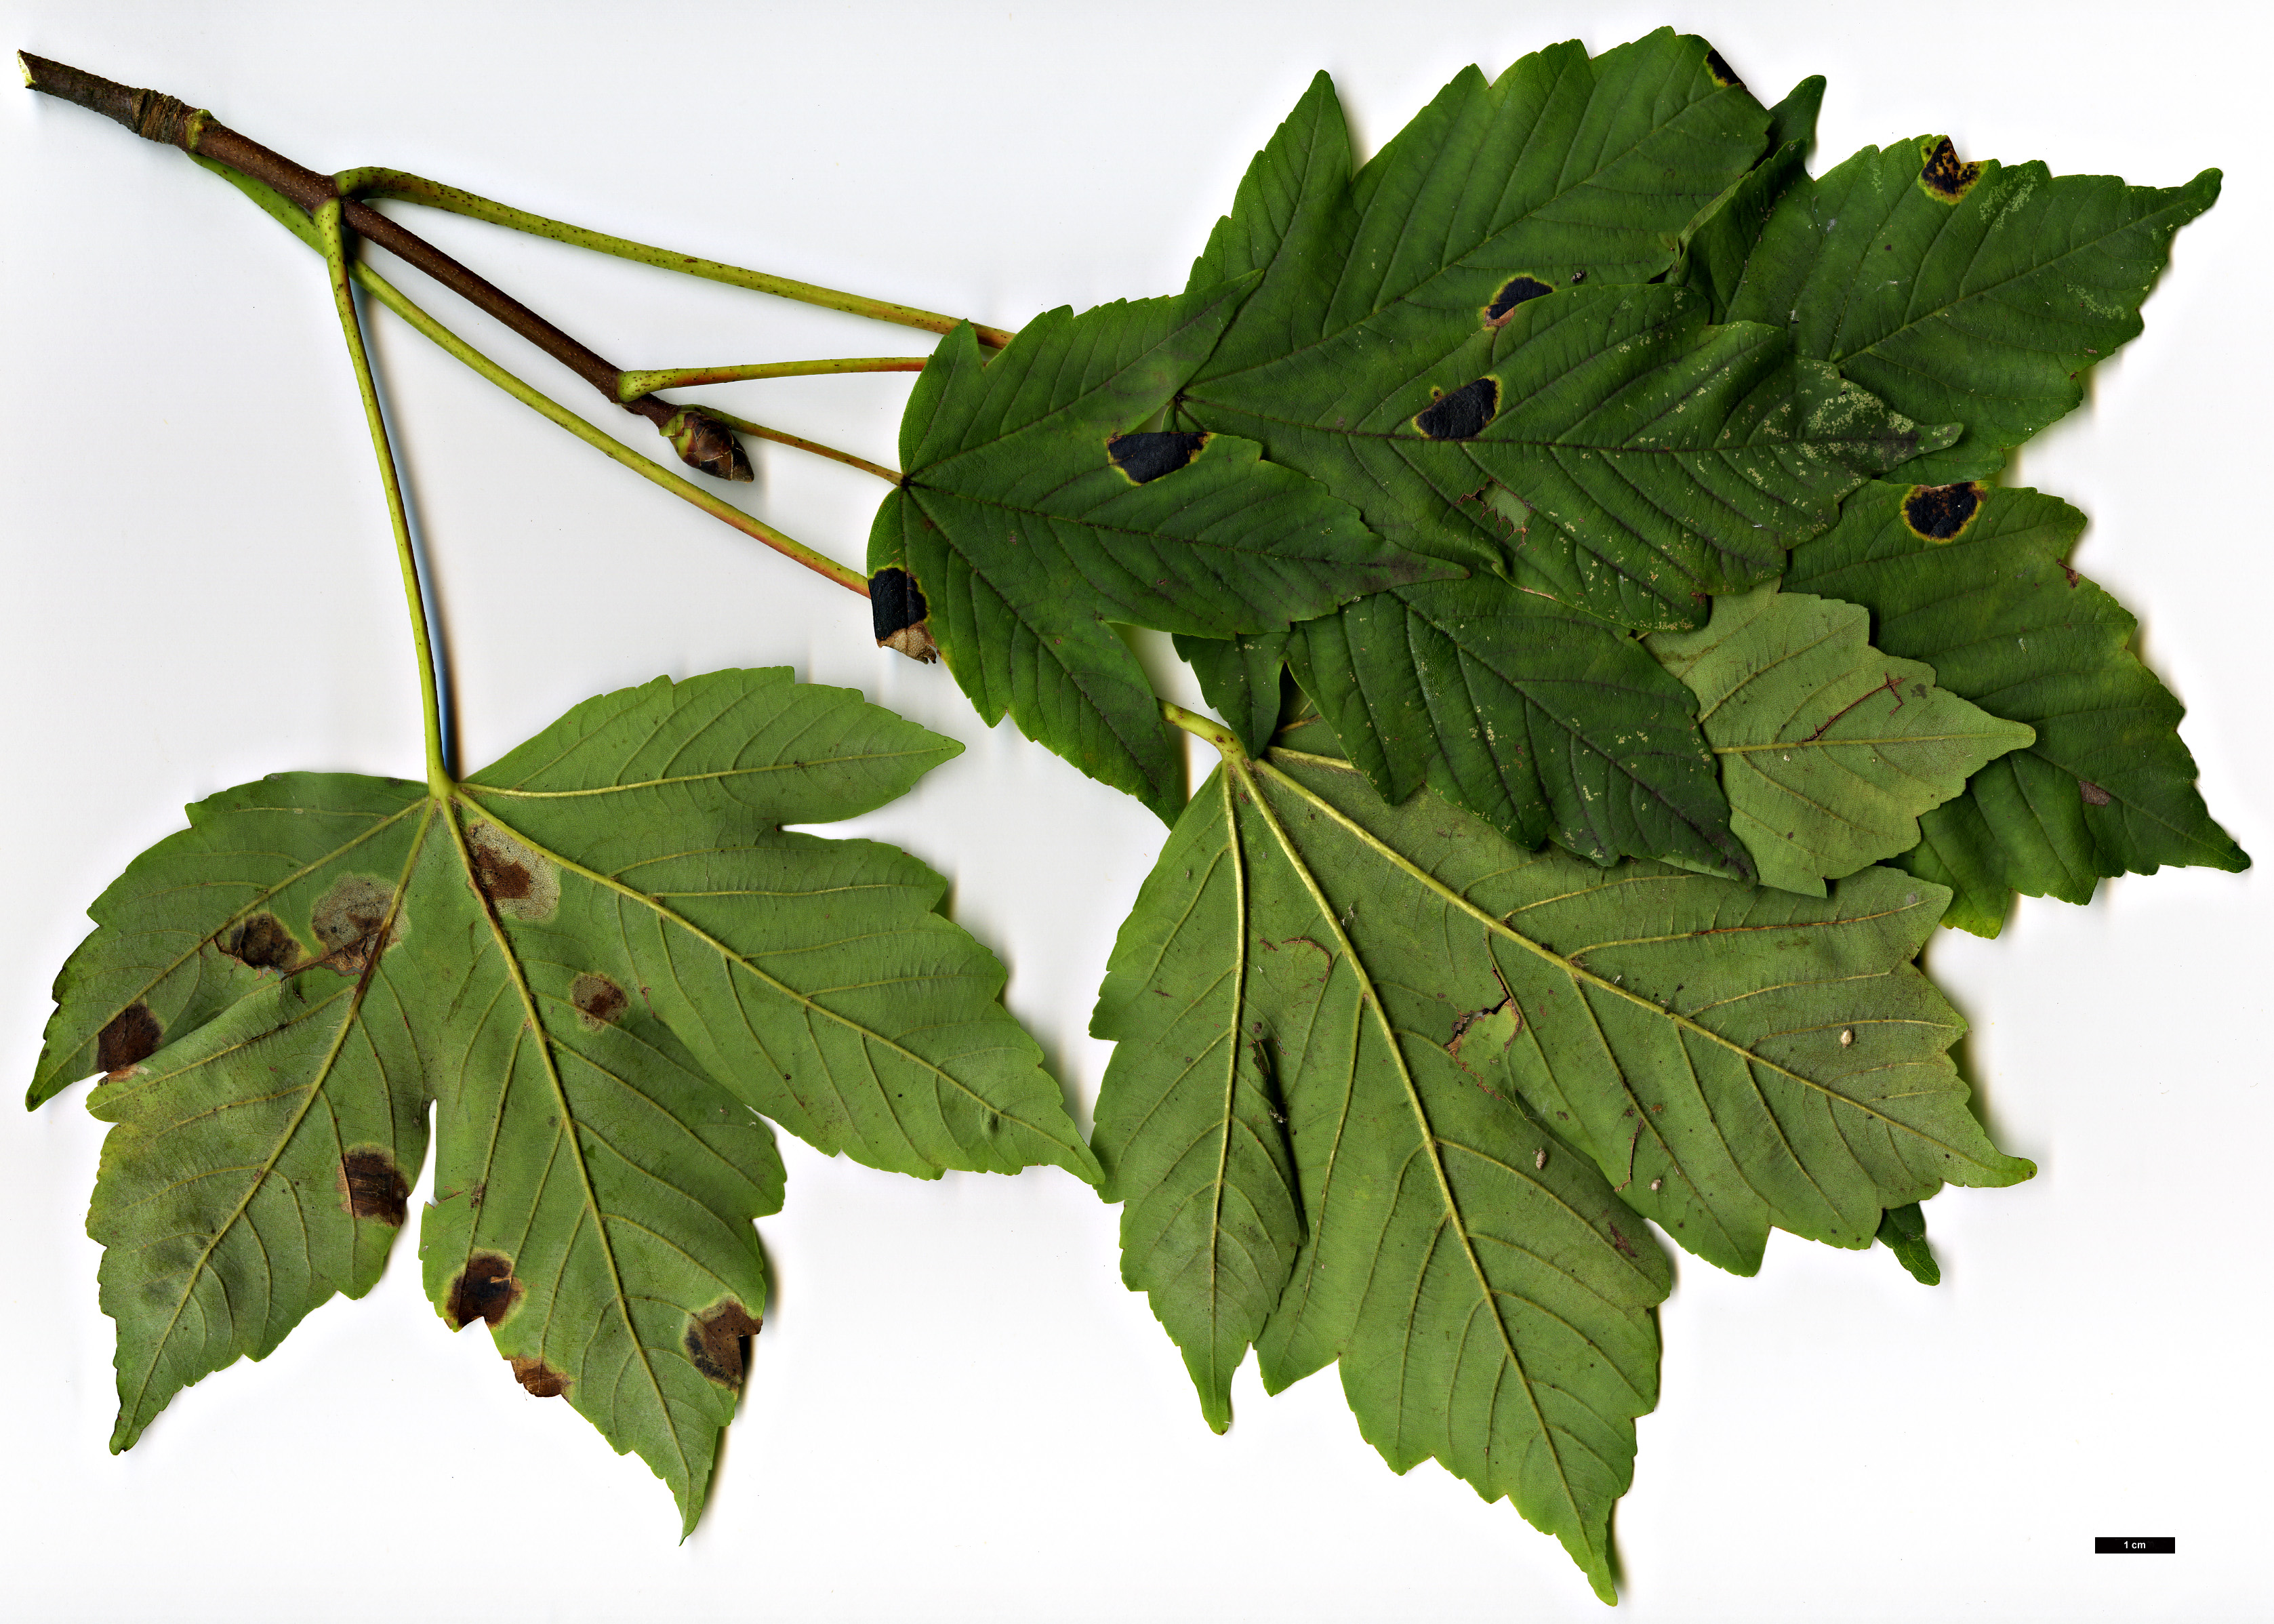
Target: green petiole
333	244
384	182
631	386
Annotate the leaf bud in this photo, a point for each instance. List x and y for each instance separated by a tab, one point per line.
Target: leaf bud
706	443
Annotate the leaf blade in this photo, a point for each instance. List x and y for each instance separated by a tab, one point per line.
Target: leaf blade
1825	775
1986	307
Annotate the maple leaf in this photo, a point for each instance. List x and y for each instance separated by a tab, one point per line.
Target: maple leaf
601	960
1394	1092
1459	338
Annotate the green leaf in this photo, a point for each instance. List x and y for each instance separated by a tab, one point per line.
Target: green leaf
1418	344
1036	509
597	960
1974	580
1964	291
1488	1312
1547	725
1829	750
1903	1232
1494	1064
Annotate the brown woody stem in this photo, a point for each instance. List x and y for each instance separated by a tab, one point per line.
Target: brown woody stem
156	116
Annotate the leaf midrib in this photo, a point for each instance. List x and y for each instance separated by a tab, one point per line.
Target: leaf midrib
1430	1144
570	1134
874	756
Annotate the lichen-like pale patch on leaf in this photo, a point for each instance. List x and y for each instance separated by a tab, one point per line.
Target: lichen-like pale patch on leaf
1961	291
596	961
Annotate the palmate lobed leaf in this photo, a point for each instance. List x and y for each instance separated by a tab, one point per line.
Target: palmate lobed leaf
1036	508
1421	343
598	960
1442	337
1975	579
1830	749
1394	1092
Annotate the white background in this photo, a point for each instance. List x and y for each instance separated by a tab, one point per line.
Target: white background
955	1411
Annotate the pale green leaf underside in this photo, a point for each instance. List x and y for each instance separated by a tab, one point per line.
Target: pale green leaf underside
280	992
1829	749
2108	786
1685	1029
1029	523
1437	1010
1486	1313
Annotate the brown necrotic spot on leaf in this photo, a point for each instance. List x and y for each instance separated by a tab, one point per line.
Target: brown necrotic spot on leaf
484	1290
1463	414
898	611
352	923
1512	293
1943	176
1143	457
1941	512
2094	795
260	942
714	1342
1724	75
372	1186
541	1379
130	1037
597	999
518	882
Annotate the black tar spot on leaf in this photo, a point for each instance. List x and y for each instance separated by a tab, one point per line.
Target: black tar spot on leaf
894	601
130	1038
372	1186
485	1289
1941	512
1944	177
714	1342
898	611
1514	292
1723	74
1145	457
1463	414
